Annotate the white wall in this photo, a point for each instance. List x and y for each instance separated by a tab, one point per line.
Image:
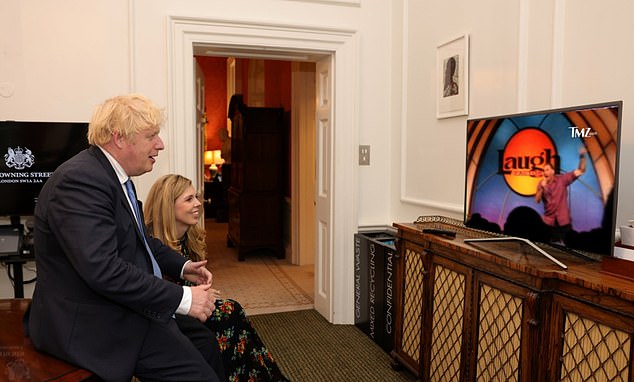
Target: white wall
100	49
369	19
64	57
59	59
524	55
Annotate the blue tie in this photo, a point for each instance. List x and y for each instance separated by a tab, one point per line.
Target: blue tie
135	206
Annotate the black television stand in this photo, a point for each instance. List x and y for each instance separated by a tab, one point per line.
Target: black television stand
523	240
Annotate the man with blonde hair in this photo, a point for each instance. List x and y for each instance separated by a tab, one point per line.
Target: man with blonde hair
100	301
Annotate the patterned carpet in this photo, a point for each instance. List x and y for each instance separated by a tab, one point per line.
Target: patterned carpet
306	347
259	283
309	349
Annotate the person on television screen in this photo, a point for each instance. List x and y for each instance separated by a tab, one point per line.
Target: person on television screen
100	301
172	211
553	192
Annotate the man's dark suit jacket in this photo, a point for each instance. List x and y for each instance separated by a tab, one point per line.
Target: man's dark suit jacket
95	295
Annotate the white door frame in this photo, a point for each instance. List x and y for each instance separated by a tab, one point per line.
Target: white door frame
342	45
324	130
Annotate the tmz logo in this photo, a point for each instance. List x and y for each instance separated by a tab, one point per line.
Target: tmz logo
523	158
581	132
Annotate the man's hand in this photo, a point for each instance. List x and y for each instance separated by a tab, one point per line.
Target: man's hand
197	273
203	299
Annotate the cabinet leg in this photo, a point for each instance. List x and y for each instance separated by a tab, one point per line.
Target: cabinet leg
396	366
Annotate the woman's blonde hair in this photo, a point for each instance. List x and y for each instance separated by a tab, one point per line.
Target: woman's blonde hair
125	115
160	218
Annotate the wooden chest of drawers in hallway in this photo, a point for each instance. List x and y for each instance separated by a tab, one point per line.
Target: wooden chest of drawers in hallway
258	176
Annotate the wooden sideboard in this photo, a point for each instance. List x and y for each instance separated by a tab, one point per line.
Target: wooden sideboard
500	311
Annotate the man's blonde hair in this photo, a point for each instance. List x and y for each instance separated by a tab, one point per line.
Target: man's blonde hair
125	115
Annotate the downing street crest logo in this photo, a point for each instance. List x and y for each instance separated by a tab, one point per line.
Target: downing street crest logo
19	158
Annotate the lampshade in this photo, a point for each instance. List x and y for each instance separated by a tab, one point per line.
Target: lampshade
209	157
218	157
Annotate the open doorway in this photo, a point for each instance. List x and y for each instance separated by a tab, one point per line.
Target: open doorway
287	85
335	185
268	86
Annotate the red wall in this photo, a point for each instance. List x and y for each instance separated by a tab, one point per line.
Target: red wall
277	84
215	70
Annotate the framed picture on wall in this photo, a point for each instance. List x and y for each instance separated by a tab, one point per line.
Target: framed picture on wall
452	78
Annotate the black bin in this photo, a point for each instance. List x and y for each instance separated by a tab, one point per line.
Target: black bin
374	272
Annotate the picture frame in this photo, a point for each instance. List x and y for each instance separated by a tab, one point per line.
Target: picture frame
452	76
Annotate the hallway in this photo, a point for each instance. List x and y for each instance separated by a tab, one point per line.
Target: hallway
262	283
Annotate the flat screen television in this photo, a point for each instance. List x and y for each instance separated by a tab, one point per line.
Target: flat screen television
30	152
507	159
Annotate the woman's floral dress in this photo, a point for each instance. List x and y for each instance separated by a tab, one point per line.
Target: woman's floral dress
245	358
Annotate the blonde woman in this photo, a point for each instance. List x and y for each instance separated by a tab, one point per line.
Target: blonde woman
172	210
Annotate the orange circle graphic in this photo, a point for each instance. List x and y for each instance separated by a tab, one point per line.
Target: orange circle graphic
523	158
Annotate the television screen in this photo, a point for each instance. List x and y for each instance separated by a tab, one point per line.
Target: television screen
30	152
547	176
